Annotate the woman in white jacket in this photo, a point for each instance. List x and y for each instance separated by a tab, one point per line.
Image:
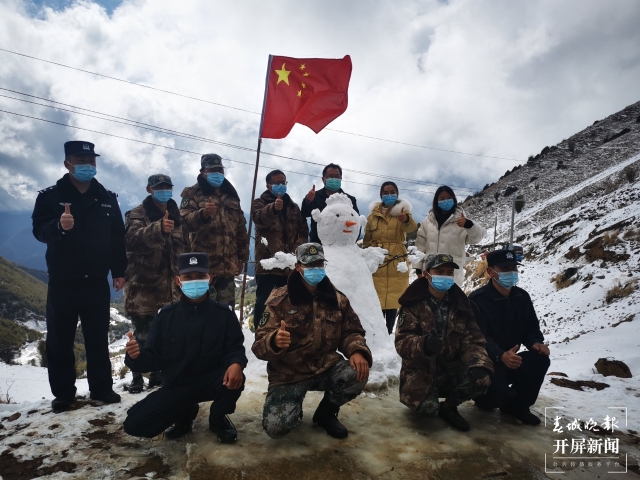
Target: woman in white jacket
447	230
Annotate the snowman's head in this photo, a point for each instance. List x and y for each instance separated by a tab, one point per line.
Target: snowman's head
338	223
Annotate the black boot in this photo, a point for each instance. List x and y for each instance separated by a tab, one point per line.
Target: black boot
155	379
451	415
184	424
326	416
61	404
224	429
522	414
137	383
106	397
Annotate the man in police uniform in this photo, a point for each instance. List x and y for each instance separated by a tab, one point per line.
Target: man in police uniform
303	326
155	237
442	348
216	223
508	320
199	346
81	223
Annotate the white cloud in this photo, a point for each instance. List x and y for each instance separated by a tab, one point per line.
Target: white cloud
498	78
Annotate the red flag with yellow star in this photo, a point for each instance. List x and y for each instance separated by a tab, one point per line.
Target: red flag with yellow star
309	91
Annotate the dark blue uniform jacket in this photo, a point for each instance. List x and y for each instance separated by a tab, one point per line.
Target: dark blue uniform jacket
94	245
189	341
506	322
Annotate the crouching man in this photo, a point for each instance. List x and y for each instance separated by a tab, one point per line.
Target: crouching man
197	343
303	325
442	349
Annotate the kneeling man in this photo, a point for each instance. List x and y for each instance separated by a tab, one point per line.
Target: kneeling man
198	345
302	327
442	349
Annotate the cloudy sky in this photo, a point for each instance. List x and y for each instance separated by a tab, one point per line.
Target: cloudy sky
492	78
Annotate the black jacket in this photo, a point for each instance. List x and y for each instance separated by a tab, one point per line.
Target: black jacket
506	322
94	245
319	202
188	341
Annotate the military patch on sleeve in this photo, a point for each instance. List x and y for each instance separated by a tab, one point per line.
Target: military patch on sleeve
264	319
184	203
401	318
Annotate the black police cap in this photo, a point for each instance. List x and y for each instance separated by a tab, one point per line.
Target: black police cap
80	148
193	262
502	258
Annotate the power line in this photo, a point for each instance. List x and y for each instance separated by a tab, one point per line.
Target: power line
134	123
249	111
192	152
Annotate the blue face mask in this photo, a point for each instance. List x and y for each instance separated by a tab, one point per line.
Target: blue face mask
442	283
333	184
84	173
279	190
195	288
314	276
507	279
389	200
446	205
215	179
162	196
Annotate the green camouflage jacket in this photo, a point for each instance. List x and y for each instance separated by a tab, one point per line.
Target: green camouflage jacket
153	258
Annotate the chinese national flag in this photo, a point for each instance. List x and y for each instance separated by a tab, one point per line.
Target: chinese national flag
309	91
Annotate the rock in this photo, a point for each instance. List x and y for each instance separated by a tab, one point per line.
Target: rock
558	374
579	384
601	277
13	417
612	368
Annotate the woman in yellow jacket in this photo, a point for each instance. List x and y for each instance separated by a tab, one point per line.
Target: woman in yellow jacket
387	225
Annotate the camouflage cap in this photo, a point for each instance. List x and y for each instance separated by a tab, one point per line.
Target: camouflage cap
159	178
436	259
210	160
309	252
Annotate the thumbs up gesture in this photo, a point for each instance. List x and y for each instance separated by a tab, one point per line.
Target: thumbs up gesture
278	203
283	338
510	359
132	347
311	195
461	220
66	219
167	225
210	208
403	218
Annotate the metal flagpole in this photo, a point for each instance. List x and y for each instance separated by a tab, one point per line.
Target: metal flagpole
253	192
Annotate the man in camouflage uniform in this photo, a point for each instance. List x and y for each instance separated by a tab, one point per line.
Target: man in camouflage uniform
442	349
155	237
216	224
279	228
301	329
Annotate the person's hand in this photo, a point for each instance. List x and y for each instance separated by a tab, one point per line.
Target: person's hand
541	348
461	220
283	338
278	204
402	218
210	209
133	349
240	267
311	195
433	344
118	283
233	377
360	365
510	359
66	219
167	225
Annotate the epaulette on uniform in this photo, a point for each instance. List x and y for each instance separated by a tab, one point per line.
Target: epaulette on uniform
167	307
225	306
52	187
277	295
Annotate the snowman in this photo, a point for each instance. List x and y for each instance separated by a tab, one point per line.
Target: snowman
349	268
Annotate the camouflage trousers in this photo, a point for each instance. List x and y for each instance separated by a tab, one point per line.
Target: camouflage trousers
283	405
223	289
456	388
